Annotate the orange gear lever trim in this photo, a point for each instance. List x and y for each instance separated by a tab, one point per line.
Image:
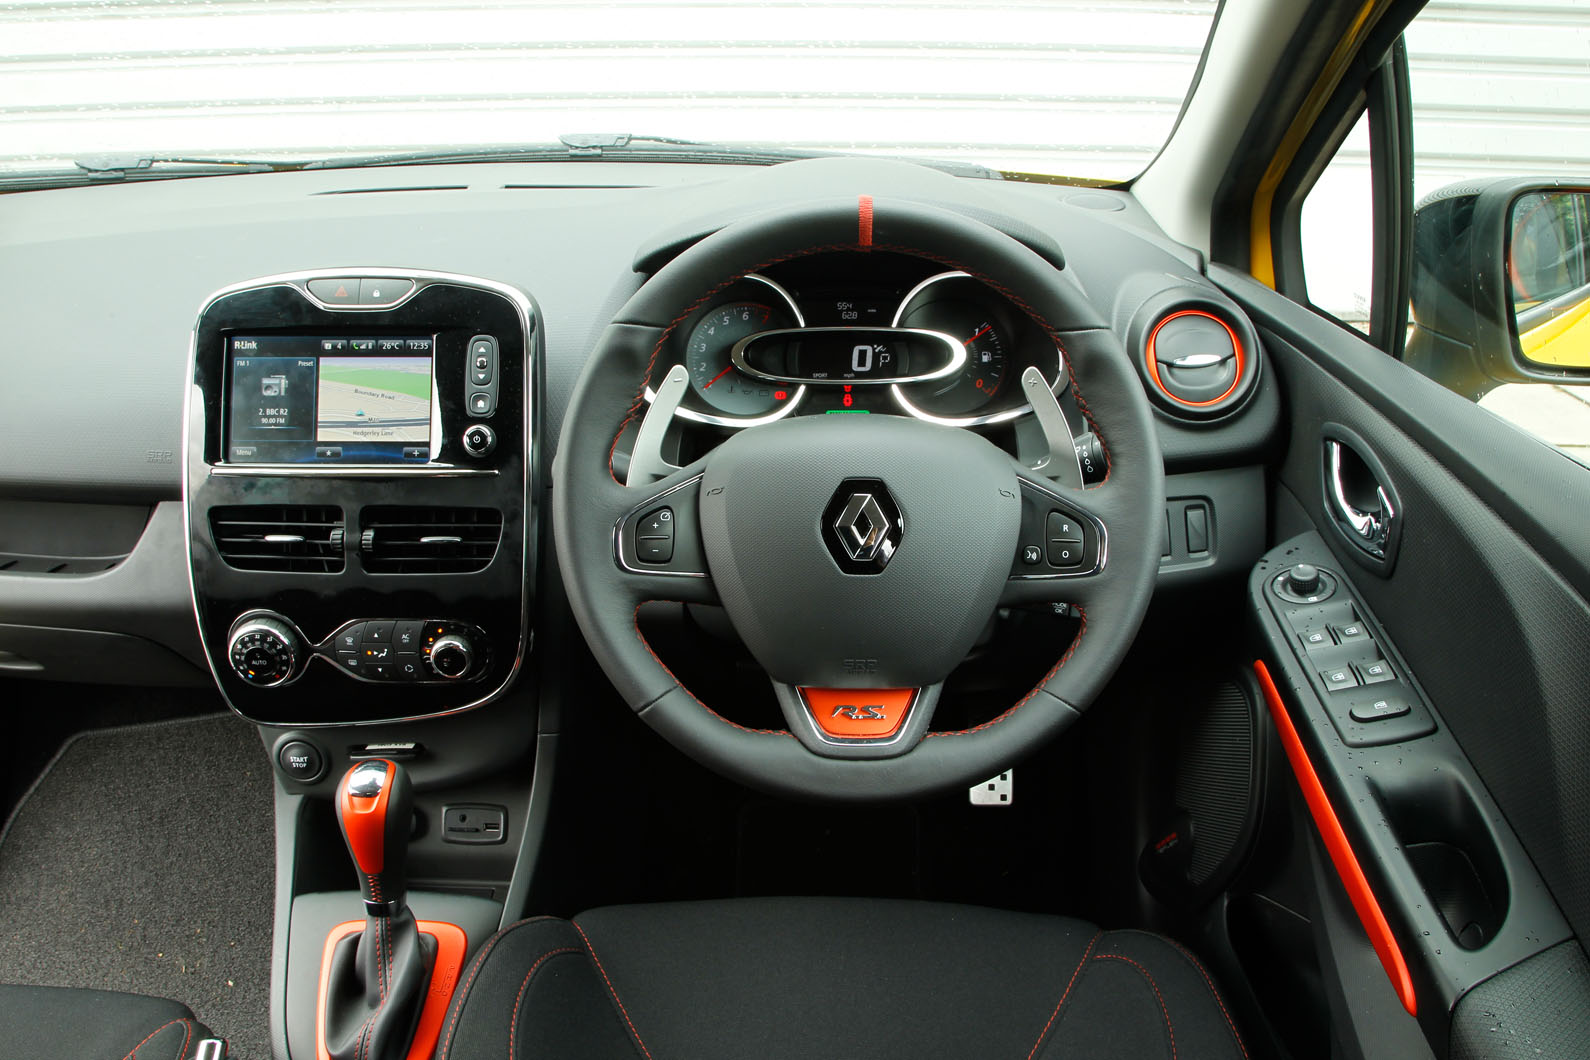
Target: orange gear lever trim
364	818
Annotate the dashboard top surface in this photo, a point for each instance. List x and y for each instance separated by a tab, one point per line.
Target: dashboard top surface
105	282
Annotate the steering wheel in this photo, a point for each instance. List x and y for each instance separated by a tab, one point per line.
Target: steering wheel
859	557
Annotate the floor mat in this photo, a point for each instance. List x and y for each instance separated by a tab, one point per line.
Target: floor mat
143	860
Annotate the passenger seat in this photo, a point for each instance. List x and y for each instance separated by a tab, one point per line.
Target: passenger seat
58	1023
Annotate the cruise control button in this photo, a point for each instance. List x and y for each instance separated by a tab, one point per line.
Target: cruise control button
1377	709
1063	528
654	549
374	291
340	291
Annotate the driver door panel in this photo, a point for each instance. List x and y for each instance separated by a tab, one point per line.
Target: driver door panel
1482	607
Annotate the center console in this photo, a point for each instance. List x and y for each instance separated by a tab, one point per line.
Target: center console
362	476
361	466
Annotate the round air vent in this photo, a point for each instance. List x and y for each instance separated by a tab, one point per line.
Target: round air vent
1199	360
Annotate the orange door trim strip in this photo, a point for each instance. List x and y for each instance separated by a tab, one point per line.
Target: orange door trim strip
450	946
1341	852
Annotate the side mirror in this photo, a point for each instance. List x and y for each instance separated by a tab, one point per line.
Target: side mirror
1501	285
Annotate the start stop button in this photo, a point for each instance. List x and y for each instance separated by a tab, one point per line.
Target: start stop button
301	761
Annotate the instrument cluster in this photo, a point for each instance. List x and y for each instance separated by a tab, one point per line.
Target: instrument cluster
847	335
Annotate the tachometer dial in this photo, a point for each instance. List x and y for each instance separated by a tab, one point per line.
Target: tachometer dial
714	378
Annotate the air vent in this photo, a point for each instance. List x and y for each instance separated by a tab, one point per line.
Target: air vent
1198	358
279	537
410	539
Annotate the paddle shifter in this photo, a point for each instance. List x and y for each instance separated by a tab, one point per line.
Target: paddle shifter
376	978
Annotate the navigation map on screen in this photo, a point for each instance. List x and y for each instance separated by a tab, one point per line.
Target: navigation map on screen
374	399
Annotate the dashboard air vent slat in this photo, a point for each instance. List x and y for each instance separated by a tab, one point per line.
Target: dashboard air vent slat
414	539
304	539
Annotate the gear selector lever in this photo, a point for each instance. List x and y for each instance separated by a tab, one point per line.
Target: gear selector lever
376	978
375	806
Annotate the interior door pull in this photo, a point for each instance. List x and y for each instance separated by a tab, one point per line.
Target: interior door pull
1369	527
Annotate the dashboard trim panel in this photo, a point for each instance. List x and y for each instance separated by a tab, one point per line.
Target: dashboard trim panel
528	317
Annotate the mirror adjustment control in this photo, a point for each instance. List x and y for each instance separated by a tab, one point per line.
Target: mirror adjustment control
479	440
264	650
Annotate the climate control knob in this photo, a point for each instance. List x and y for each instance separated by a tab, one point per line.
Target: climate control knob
451	656
264	650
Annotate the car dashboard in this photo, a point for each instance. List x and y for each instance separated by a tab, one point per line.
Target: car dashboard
132	292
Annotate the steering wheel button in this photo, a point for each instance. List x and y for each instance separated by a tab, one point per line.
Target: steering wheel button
1063	528
1031	554
654	549
1065	553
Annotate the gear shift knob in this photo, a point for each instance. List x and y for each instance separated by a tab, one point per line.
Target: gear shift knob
375	806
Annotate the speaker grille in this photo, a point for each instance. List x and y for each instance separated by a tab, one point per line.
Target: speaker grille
1214	777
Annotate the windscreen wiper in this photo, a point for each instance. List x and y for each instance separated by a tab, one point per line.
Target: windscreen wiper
627	147
109	169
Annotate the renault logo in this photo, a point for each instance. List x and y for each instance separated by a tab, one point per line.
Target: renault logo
862	526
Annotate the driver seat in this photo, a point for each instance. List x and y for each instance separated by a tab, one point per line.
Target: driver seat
832	978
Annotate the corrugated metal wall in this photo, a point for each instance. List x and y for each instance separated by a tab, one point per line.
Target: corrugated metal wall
1007	84
1498	89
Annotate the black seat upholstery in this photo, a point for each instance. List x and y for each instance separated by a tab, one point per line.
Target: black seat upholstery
57	1023
834	978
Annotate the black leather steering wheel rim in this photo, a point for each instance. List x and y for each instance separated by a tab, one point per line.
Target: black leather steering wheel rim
587	499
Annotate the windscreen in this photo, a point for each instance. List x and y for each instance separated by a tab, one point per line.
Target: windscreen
1079	89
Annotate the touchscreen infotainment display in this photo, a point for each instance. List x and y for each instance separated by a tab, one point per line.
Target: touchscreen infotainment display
319	399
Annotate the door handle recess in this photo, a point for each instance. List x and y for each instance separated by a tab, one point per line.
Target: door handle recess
1374	527
1360	500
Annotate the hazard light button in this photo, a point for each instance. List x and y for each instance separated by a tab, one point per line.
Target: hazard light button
859	713
342	290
